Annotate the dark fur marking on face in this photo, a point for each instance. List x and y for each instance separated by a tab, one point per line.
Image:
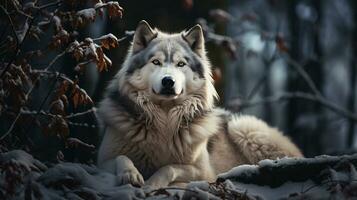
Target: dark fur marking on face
139	59
125	103
195	65
192	58
137	62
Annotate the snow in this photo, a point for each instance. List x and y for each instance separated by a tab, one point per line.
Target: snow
242	170
88	14
287	178
283	191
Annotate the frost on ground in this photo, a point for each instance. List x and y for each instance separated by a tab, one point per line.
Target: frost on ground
323	177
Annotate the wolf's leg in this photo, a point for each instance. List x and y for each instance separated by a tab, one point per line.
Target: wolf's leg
174	173
111	160
124	169
258	141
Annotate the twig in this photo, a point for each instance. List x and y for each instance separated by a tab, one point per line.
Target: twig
81	124
73	115
128	35
256	87
57	3
303	74
75	142
300	95
20	11
29	112
11	126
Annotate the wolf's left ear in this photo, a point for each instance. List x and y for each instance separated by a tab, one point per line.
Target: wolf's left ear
194	38
143	35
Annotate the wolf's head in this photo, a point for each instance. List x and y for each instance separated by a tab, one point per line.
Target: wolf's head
168	69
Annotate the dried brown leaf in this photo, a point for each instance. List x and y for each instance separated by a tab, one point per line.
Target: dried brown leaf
57	107
114	10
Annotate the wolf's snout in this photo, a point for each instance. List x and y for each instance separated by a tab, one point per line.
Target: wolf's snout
168	86
168	82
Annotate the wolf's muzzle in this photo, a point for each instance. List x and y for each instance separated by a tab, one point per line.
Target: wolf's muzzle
168	86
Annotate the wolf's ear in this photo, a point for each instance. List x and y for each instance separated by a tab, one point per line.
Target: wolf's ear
143	35
194	38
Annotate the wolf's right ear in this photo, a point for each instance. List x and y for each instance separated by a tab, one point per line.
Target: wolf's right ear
143	35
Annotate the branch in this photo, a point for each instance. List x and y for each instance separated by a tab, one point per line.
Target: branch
128	35
57	3
257	86
239	105
303	74
81	124
11	126
73	115
75	142
29	112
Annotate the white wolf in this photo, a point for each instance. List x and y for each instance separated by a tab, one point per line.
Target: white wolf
161	125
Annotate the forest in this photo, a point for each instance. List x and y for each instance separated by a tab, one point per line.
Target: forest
291	63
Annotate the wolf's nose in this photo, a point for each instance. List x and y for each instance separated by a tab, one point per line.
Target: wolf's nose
168	82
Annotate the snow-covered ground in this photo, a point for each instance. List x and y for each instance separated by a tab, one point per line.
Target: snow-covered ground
323	177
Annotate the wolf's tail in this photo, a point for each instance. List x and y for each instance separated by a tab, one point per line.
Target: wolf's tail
258	141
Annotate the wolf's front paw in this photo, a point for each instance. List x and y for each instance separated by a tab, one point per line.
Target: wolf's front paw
156	182
130	176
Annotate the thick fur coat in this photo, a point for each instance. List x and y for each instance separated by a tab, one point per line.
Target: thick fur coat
160	124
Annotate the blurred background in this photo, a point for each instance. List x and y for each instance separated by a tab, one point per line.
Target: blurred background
291	63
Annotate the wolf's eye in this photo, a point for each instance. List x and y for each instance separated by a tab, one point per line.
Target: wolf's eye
181	64
156	62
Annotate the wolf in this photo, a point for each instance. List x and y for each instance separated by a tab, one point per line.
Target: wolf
160	124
